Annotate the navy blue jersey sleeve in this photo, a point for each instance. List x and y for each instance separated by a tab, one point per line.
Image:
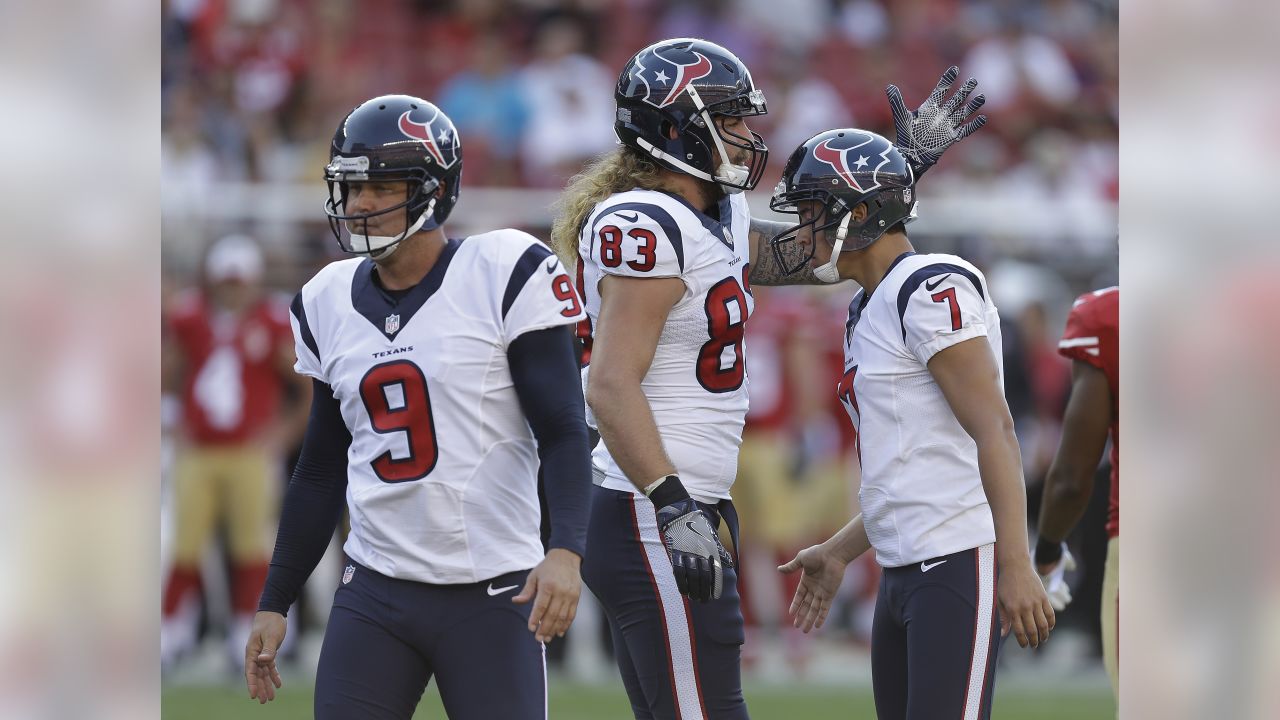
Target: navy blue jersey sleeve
312	504
544	368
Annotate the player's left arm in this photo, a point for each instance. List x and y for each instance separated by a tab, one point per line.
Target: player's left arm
537	327
765	269
1069	483
969	377
544	369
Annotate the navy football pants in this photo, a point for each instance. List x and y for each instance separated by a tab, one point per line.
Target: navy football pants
387	638
679	659
935	637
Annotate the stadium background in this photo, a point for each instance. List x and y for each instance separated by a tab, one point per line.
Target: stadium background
252	90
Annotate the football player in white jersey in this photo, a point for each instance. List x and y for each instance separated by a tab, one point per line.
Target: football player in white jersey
444	373
942	495
666	252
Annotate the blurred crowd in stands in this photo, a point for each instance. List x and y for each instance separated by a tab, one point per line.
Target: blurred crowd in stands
252	88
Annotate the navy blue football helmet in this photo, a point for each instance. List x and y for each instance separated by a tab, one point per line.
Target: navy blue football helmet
393	138
840	169
668	96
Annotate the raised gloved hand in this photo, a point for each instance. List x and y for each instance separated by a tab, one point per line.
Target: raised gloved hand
697	556
924	135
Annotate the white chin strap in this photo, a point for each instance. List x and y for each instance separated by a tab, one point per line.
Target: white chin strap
827	272
732	178
381	246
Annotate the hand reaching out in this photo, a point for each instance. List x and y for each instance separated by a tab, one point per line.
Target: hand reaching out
821	573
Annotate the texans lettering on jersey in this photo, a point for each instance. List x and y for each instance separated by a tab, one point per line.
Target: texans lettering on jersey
921	493
697	384
442	471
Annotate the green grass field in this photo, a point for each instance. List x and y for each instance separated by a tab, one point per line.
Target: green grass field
577	702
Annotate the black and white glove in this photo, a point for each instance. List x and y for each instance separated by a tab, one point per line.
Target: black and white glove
697	556
924	135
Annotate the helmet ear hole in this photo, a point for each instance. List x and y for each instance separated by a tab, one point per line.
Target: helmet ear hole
668	130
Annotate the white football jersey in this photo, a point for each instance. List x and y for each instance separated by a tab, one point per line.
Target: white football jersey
921	493
442	470
697	384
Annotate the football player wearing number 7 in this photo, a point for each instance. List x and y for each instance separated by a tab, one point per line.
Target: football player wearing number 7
444	373
942	496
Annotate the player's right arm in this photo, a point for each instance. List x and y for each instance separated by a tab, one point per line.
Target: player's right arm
639	250
312	507
633	312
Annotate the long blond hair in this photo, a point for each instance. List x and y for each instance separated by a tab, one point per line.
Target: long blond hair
616	171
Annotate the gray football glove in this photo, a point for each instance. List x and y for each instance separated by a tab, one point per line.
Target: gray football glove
924	135
698	558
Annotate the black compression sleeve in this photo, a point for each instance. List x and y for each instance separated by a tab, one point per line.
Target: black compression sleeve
312	504
544	368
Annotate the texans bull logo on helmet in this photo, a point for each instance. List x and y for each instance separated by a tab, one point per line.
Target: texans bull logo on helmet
666	72
436	133
847	160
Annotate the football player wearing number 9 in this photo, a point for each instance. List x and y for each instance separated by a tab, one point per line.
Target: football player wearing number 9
444	373
942	496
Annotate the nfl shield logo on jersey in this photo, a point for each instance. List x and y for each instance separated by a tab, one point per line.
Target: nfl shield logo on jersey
349	573
393	323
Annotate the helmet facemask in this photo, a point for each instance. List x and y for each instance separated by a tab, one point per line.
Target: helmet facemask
832	220
733	178
418	207
885	209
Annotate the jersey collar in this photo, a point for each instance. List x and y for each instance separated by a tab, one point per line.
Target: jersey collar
720	229
387	313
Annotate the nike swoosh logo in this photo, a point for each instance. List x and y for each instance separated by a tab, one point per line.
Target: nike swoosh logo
550	267
926	567
694	530
498	591
931	285
633	218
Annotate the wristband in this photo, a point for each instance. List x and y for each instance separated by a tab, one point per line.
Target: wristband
1048	552
666	491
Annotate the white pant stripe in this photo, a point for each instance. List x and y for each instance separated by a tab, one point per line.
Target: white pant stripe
688	706
985	616
546	702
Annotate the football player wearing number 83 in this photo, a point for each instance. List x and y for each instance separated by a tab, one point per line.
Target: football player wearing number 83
666	252
942	496
444	373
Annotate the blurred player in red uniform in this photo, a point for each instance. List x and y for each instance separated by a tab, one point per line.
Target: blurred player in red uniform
793	470
1092	341
228	352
